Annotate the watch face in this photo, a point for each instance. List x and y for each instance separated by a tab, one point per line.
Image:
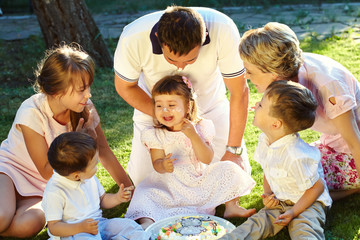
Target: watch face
235	150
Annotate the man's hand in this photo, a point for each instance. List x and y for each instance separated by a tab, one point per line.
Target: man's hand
237	159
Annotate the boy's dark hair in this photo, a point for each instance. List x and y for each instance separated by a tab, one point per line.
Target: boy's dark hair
71	152
181	29
293	103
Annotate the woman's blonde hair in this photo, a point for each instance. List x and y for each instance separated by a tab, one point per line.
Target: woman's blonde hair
176	85
61	68
273	48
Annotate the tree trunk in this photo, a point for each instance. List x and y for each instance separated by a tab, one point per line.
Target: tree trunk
70	21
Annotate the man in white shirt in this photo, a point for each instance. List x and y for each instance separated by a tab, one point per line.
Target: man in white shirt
201	44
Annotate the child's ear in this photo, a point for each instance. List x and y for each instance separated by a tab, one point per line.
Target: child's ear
75	176
277	124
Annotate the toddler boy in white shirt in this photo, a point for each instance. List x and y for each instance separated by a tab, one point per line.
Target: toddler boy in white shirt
73	196
295	193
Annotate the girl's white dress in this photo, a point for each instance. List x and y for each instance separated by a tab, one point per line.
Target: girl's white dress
193	187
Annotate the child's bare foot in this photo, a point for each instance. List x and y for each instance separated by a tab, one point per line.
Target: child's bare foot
232	209
145	222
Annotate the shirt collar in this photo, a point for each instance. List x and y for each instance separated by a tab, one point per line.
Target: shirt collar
65	181
282	141
156	47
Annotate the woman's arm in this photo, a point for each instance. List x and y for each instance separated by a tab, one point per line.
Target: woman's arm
109	160
348	128
37	148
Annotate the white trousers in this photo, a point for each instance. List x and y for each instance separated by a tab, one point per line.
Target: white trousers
140	164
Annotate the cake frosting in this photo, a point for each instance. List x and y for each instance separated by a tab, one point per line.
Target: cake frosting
192	228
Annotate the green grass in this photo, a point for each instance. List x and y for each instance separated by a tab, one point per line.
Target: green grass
21	57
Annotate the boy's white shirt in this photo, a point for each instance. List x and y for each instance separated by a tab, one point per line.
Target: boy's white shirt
291	166
72	201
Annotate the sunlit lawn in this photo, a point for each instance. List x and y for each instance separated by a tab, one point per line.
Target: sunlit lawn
21	56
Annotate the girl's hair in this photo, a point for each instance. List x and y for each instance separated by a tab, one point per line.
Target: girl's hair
181	29
293	103
71	152
175	85
273	48
61	68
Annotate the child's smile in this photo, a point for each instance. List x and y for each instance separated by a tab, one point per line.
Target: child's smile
168	119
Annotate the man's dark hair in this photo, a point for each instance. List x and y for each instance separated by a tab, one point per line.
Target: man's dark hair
181	29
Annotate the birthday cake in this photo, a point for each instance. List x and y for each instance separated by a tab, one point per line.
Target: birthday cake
192	228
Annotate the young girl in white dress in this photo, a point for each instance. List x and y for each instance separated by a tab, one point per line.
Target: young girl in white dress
184	180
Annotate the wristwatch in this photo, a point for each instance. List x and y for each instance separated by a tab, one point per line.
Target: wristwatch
234	150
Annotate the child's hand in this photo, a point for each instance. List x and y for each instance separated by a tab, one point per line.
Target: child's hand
124	193
188	128
168	164
87	127
89	226
285	218
269	201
